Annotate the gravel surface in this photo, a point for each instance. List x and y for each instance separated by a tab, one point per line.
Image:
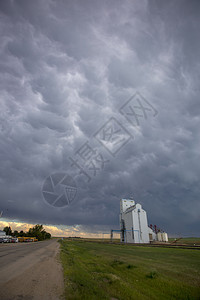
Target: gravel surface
31	271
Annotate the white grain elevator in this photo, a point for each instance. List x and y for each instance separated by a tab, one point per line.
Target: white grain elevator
133	223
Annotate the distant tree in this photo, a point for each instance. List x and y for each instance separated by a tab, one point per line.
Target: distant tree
15	233
8	230
39	232
22	233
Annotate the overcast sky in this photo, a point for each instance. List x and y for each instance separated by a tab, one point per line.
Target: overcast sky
67	70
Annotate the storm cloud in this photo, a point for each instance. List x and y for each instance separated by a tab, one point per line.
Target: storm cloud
67	67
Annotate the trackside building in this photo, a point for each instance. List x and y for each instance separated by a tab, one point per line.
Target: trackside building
133	223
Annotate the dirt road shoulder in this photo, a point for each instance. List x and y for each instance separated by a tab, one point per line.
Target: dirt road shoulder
36	276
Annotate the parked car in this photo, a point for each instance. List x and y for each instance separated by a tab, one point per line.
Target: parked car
1	240
6	240
14	240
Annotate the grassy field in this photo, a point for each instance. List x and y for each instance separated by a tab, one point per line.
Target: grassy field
95	270
187	241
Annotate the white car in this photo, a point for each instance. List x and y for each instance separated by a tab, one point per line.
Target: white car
6	240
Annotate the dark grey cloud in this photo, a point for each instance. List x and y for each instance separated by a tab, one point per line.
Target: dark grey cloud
66	69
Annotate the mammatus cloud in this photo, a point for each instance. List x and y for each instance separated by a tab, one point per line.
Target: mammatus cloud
66	69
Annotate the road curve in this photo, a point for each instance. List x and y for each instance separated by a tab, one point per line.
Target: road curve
30	271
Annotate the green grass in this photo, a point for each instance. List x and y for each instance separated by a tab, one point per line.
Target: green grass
187	241
109	271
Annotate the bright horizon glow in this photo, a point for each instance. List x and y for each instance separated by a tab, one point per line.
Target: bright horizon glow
65	231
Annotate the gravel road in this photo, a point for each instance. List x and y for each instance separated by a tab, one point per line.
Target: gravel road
30	271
